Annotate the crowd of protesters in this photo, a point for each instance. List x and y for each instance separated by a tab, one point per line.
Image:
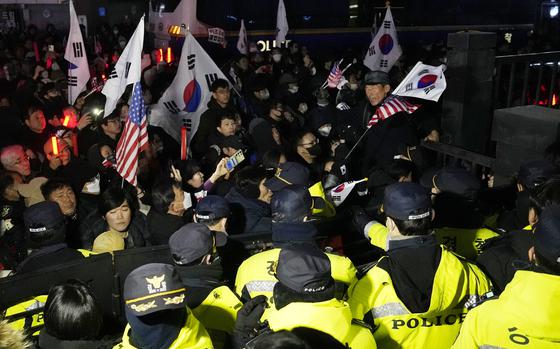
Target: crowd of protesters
451	260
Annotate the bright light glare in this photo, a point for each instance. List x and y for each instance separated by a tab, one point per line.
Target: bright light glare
553	11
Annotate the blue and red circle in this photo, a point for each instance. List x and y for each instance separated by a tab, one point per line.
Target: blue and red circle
192	95
386	43
427	80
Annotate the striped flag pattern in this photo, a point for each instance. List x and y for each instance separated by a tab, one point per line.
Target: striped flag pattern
391	105
134	138
334	76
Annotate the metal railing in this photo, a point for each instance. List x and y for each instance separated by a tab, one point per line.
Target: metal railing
538	82
453	155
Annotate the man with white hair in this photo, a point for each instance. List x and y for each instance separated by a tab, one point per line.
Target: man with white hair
14	159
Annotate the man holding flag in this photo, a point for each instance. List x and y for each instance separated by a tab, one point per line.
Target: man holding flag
382	118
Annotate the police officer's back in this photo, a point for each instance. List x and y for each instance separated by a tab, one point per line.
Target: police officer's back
416	295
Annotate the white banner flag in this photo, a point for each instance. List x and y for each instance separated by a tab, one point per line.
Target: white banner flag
423	81
341	191
188	95
281	23
384	49
128	69
78	68
217	36
242	46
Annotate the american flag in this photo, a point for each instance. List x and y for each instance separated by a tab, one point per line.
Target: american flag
335	75
134	138
391	105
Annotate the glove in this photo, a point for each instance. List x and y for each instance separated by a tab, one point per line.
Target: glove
359	219
248	320
248	317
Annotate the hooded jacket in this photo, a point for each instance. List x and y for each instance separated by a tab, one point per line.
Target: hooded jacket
313	315
525	316
94	225
375	298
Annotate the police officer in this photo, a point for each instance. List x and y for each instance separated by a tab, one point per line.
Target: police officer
526	314
291	212
193	250
304	297
157	313
417	293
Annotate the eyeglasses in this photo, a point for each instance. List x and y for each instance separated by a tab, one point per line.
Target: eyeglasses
310	144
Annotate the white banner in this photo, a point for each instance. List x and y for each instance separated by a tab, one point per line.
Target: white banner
128	69
423	81
242	46
188	95
384	49
281	23
78	69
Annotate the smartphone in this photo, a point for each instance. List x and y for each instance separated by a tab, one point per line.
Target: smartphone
235	160
98	111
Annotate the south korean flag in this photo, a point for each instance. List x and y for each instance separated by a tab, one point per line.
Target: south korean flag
78	68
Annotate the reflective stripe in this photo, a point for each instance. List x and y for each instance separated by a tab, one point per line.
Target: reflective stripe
389	309
260	286
486	346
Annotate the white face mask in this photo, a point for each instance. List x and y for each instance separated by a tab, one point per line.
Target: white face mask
293	89
276	57
353	87
325	131
187	202
93	186
313	71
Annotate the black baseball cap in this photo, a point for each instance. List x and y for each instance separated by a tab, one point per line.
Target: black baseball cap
39	218
191	242
534	173
546	237
407	201
455	180
377	77
287	174
211	207
291	204
304	269
153	287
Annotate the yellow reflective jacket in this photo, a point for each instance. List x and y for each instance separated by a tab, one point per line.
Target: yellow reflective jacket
333	317
525	316
257	273
317	190
465	242
456	281
193	335
217	313
22	316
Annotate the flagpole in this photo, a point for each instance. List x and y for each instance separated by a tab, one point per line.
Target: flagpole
357	142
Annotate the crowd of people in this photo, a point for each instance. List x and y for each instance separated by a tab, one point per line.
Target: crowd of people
450	260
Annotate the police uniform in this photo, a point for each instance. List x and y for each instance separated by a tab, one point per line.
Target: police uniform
418	294
256	275
465	242
304	271
24	315
213	304
192	335
153	288
525	316
456	282
526	313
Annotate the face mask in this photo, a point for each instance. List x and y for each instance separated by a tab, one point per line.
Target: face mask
93	187
325	131
314	150
116	32
353	87
302	108
264	95
276	57
293	89
55	66
187	202
313	71
122	44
